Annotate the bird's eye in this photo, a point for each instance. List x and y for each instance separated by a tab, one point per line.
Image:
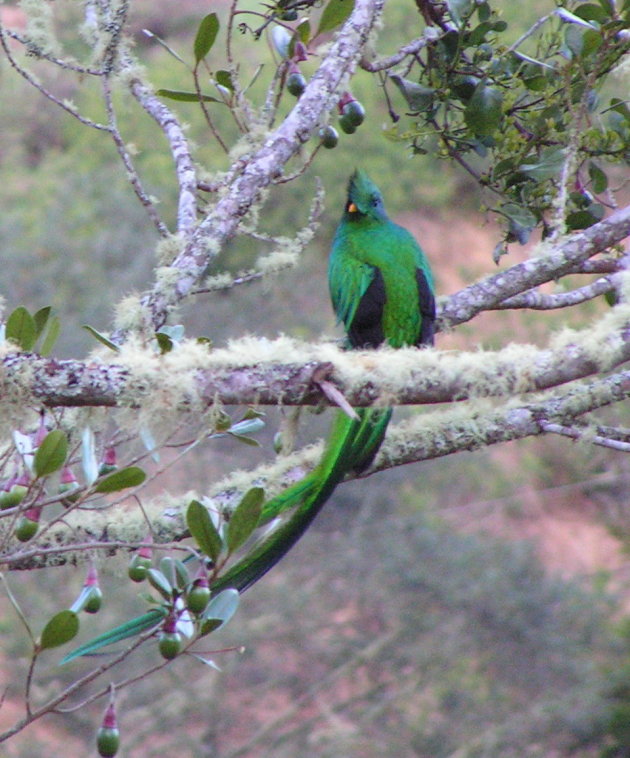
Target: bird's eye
376	200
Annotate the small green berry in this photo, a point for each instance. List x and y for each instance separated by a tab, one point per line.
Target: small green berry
329	137
170	645
296	83
346	125
354	112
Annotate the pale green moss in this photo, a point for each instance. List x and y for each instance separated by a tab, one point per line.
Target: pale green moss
169	248
129	315
40	27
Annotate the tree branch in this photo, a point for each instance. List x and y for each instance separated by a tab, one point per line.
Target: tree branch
262	167
468	426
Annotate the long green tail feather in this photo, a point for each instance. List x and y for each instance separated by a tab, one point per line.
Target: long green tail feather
352	444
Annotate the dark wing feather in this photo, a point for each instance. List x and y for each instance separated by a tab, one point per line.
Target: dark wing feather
366	329
426	300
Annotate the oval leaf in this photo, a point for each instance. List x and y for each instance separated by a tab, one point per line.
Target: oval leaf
206	35
175	571
121	480
41	319
221	608
61	628
52	335
203	531
51	454
334	14
159	582
484	110
245	518
21	328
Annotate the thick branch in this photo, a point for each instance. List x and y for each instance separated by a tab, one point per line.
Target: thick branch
406	376
424	437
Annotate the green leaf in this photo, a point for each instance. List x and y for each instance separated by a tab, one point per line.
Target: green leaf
219	610
599	180
131	476
418	98
203	531
224	79
245	518
160	582
521	220
206	35
101	338
52	335
175	571
547	164
459	9
21	328
168	49
61	628
245	440
334	14
187	97
124	631
165	343
303	30
484	110
51	454
41	319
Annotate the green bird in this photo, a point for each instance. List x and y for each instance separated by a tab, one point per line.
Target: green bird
381	287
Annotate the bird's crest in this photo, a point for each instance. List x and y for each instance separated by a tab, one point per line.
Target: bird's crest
364	197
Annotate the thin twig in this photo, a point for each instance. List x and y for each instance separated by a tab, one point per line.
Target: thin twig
25	74
579	434
132	174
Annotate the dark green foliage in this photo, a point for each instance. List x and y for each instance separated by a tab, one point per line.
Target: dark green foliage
509	113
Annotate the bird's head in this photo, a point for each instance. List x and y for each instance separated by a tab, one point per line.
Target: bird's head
364	198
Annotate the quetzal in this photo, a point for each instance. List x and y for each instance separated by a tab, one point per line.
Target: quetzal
381	288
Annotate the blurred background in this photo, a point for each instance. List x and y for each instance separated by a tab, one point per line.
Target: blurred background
470	606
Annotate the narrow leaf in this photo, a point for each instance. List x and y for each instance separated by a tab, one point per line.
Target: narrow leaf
52	335
187	97
88	456
168	49
21	328
61	628
121	480
206	35
101	338
203	531
148	440
245	518
124	631
334	14
51	454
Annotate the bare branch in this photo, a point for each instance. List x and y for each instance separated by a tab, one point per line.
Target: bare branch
542	301
180	149
563	259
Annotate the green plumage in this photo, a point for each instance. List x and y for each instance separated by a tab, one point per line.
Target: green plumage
381	288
